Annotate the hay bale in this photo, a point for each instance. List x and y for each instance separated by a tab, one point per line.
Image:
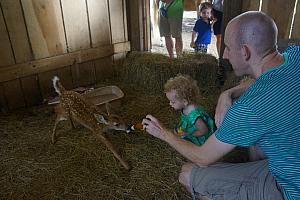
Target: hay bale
151	71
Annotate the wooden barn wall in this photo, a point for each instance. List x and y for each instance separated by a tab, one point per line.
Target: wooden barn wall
78	40
281	11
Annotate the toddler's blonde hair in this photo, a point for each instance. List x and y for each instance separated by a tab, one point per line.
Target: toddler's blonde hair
185	86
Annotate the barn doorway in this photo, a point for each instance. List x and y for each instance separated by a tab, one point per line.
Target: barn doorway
189	19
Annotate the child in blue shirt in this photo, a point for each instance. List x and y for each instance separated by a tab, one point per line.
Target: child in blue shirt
202	29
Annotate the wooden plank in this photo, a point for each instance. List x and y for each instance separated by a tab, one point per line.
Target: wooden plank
146	25
296	25
117	21
103	68
135	25
46	87
45	27
231	9
99	22
14	94
119	58
6	54
121	47
83	74
250	5
125	19
65	75
76	24
47	64
15	21
282	14
31	90
3	102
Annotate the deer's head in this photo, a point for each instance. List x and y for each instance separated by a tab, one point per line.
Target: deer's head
112	121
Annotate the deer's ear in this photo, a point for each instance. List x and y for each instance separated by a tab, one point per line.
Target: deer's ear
100	118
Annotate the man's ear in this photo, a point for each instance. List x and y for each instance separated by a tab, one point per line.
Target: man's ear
246	52
100	118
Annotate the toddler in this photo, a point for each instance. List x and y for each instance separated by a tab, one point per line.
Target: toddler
202	29
195	125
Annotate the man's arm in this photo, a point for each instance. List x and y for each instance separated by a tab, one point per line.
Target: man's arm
226	98
210	152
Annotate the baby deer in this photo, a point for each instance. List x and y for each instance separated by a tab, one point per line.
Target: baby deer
75	107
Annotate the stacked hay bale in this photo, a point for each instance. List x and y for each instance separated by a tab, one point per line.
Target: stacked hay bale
151	71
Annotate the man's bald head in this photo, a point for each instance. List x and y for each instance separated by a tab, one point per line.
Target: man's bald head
255	29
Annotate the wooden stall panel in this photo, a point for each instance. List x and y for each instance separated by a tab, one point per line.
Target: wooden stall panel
76	24
282	13
15	22
46	86
14	94
65	76
296	25
117	20
125	19
250	5
31	90
6	54
103	68
99	22
45	27
83	74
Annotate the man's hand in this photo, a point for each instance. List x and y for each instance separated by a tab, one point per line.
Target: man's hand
224	103
154	127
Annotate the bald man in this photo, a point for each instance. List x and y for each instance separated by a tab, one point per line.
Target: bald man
265	117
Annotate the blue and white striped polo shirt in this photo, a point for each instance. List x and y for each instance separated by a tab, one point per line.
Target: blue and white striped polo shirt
268	114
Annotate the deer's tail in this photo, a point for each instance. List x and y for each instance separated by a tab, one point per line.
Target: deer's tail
57	85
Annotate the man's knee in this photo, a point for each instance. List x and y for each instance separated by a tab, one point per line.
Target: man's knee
184	176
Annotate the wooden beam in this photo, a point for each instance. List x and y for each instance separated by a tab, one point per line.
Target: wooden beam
282	13
6	54
250	5
12	72
76	24
45	27
12	11
296	25
116	21
99	22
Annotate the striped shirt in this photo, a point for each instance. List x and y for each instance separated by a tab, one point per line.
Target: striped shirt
268	115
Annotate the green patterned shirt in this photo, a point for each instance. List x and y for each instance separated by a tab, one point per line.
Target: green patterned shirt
187	125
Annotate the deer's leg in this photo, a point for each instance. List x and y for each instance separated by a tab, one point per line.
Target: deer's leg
113	149
53	138
61	115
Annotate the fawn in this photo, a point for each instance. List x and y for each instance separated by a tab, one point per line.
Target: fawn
75	107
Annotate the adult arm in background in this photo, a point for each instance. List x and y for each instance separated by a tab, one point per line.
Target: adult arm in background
227	97
210	152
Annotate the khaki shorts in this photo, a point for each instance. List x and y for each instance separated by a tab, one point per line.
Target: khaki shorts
249	181
169	27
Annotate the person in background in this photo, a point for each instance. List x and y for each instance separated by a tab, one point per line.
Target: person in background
265	116
195	125
170	24
202	29
217	13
